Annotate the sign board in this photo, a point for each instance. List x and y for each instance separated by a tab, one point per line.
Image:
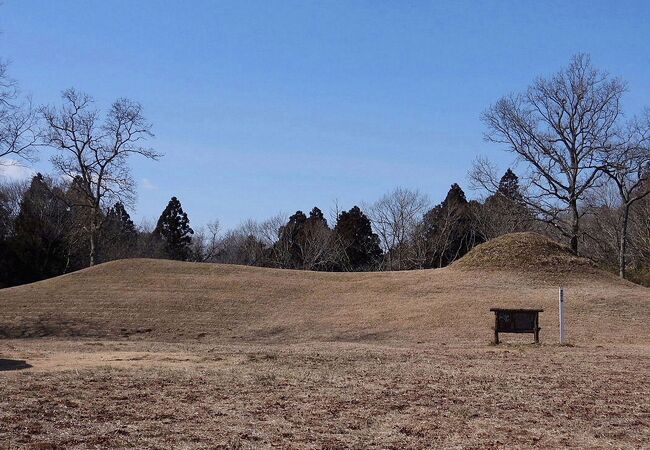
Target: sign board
516	321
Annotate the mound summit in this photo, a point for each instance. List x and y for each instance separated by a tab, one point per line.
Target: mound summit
527	252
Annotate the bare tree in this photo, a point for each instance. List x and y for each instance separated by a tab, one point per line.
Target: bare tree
206	242
601	225
18	135
95	154
503	211
640	232
268	231
319	248
242	245
395	217
627	164
558	128
12	193
251	243
495	218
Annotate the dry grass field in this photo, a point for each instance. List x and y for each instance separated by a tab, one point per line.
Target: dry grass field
161	354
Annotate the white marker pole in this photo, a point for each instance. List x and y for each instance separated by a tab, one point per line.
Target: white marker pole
561	309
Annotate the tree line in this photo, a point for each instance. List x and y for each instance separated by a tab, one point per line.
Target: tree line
44	236
583	177
45	232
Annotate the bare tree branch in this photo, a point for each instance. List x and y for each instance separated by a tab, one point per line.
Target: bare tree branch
18	131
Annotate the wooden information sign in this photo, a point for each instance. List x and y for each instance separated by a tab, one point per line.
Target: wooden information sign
516	321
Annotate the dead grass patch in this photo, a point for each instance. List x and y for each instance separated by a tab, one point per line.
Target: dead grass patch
338	395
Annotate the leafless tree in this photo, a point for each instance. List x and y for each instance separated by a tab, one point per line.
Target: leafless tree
206	242
558	128
251	243
12	193
18	135
601	225
395	217
497	214
94	153
148	244
627	164
267	231
319	249
242	246
640	232
495	217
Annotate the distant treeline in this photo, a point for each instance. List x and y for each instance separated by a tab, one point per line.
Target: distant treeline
44	235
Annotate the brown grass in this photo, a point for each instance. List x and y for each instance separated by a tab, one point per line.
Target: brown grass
327	395
172	301
161	354
525	252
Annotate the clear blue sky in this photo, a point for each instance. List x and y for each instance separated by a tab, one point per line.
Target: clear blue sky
272	106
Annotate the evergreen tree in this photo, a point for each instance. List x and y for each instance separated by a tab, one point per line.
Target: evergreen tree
118	234
449	229
316	217
360	244
505	210
120	219
317	243
40	241
292	237
509	187
455	198
173	228
306	242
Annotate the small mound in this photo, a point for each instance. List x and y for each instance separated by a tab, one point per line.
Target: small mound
528	252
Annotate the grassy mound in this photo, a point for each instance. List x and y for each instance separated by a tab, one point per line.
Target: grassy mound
528	252
157	300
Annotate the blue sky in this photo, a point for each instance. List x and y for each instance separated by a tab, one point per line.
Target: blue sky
269	106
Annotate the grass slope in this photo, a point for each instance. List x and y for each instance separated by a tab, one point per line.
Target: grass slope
167	300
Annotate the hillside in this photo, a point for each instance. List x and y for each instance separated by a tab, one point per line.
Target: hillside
167	300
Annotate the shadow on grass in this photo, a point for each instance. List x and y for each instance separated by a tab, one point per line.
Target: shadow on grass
13	364
47	326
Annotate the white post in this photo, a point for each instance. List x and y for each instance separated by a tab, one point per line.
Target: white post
561	309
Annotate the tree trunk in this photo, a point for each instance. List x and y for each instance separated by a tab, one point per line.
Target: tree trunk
93	239
575	226
622	262
92	248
